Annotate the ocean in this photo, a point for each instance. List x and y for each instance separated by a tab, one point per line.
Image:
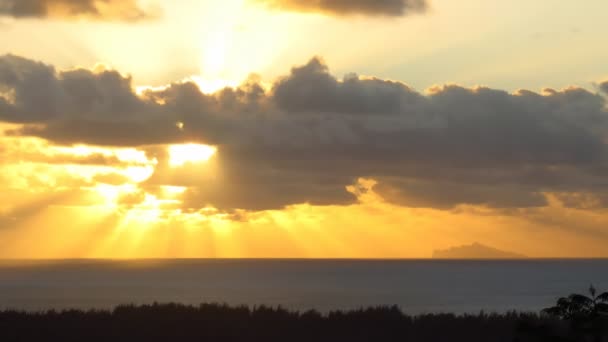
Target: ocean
417	286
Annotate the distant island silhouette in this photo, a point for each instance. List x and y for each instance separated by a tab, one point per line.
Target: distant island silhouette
475	251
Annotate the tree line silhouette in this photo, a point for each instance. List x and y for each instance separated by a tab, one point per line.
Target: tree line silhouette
573	318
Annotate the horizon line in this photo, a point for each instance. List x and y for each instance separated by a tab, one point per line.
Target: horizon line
306	259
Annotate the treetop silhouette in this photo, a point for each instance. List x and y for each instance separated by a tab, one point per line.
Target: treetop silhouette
578	306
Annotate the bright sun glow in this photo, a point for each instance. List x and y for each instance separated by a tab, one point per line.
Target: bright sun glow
180	155
212	85
218	47
236	40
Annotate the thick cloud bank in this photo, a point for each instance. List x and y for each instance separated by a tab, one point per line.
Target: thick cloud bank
96	9
312	135
350	7
604	86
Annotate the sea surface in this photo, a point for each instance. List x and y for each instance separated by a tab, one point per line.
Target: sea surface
428	286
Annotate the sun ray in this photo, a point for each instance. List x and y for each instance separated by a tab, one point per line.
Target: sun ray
218	46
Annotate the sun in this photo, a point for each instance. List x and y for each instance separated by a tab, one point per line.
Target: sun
180	155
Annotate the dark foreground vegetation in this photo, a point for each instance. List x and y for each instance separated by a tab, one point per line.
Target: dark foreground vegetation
209	322
574	318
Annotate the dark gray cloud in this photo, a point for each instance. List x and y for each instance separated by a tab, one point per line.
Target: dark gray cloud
311	88
127	10
349	7
39	93
604	87
313	134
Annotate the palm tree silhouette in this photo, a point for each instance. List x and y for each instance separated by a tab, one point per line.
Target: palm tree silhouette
578	306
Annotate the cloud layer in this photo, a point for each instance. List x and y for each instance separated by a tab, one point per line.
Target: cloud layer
127	10
312	135
350	7
604	87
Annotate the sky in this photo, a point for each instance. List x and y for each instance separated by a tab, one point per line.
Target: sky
302	129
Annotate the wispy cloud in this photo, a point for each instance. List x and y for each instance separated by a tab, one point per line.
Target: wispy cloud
392	8
112	10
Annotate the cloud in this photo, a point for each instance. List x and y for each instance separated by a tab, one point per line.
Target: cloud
392	8
604	86
310	88
312	135
122	10
40	154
